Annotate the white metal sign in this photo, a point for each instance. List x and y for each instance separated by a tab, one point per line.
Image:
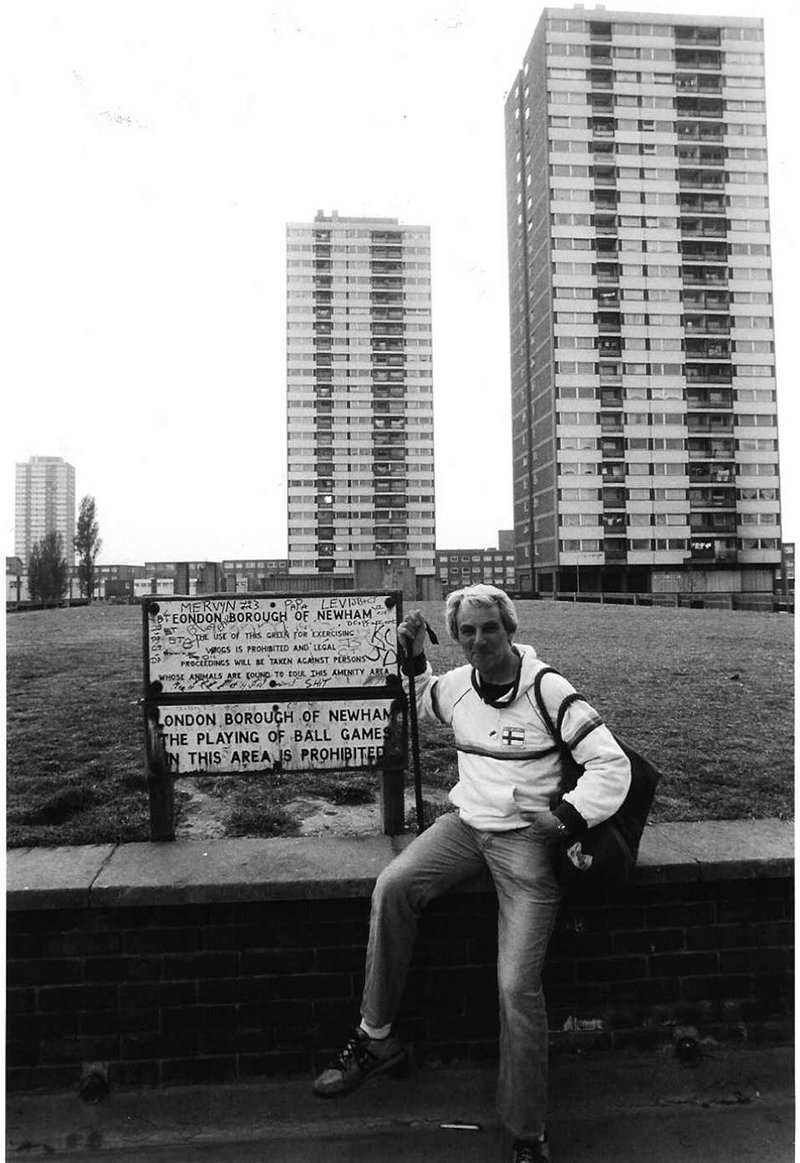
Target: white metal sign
208	645
283	736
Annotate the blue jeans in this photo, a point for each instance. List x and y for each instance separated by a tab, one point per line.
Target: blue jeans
521	866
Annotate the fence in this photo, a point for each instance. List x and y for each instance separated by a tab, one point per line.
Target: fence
759	603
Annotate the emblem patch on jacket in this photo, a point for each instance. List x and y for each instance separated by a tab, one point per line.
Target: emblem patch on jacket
513	736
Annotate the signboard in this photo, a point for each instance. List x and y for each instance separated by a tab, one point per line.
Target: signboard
282	737
272	683
270	643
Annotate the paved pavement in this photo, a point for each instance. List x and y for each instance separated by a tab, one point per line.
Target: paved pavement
734	1106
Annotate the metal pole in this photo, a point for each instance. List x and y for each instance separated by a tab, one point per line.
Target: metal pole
414	731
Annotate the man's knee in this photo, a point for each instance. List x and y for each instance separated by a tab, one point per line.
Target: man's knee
392	886
519	990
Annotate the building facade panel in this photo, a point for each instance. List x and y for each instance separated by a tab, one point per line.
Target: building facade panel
642	350
44	503
360	395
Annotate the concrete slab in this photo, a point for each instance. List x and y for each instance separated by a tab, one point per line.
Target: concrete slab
53	878
312	867
663	855
731	849
196	871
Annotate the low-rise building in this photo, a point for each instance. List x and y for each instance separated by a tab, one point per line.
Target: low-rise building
466	567
248	575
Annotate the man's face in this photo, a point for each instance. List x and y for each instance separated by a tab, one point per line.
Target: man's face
485	641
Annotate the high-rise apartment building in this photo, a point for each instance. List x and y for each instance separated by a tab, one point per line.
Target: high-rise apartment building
645	439
45	502
360	395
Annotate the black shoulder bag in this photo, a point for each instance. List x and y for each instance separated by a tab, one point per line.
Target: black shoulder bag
605	854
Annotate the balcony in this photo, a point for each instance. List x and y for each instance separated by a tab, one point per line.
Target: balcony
702	425
712	473
383	298
707	300
705	276
705	498
607	273
599	56
697	83
701	35
703	228
601	80
704	58
709	524
605	227
608	298
600	32
605	176
707	349
608	324
700	131
723	456
696	179
700	204
708	373
605	200
390	548
699	107
615	548
700	399
707	325
700	155
703	252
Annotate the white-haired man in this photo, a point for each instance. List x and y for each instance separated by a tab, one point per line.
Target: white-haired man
508	820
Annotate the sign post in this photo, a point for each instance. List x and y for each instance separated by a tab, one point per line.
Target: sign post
273	683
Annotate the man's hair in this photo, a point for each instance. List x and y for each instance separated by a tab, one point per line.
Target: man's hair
480	595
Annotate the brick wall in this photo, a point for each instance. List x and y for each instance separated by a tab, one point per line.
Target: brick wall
200	991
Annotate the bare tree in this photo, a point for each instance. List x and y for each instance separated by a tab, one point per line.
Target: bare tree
47	569
87	545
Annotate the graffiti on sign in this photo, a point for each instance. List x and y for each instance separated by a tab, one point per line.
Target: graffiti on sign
304	736
209	645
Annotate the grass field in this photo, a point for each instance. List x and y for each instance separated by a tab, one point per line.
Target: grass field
707	695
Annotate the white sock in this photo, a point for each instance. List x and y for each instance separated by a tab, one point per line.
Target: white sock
376	1032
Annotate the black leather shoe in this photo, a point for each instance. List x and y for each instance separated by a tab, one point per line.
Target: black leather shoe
361	1057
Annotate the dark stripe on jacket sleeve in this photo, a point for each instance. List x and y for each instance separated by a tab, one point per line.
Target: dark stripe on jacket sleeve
584	731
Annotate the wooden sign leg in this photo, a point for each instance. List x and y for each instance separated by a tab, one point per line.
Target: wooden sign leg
160	785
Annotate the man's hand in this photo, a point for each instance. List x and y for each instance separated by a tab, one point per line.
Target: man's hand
546	823
411	634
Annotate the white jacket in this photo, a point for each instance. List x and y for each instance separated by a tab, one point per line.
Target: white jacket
507	763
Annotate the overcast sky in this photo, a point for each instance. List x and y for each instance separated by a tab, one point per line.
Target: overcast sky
154	152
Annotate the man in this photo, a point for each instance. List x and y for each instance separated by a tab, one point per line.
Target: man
509	773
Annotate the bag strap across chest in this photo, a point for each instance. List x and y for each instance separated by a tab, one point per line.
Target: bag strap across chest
571	770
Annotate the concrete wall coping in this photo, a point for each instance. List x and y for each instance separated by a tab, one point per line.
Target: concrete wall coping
315	868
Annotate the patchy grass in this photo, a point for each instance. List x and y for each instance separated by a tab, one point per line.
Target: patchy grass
75	752
706	694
